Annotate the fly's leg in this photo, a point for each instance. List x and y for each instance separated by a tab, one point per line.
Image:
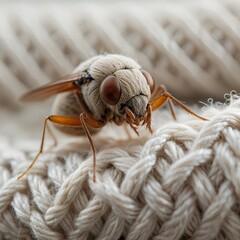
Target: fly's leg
52	136
89	121
160	90
166	96
85	120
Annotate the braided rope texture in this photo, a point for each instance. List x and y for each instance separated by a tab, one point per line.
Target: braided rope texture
183	43
180	183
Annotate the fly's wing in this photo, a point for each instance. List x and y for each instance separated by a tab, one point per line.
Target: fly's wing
63	85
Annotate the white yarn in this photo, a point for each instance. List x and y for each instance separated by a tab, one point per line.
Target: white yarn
181	182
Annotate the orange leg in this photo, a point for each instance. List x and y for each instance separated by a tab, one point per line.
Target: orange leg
52	136
84	121
166	96
162	89
88	120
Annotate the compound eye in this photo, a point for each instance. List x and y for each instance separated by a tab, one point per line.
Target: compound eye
110	90
149	79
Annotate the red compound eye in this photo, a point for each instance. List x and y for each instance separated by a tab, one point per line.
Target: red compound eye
110	90
149	79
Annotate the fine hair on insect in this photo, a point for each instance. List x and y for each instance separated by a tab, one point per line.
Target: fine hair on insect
105	88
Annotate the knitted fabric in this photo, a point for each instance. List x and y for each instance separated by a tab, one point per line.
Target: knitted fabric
181	182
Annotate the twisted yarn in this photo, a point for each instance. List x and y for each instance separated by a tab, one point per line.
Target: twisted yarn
181	43
182	182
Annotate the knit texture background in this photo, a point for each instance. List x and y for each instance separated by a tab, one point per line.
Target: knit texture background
181	182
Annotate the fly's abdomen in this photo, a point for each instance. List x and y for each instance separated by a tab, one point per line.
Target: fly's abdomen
69	104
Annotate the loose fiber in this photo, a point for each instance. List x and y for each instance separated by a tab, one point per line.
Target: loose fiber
182	182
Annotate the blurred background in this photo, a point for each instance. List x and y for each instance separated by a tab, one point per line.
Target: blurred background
192	47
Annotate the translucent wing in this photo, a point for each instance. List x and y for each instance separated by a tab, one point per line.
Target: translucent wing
63	85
